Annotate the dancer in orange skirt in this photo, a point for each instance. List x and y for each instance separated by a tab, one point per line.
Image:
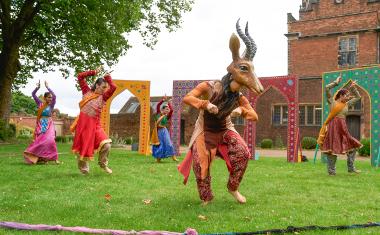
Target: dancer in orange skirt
89	135
334	137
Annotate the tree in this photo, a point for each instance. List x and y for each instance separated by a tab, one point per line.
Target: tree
43	35
23	104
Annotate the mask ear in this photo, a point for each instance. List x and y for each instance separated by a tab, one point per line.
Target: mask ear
234	47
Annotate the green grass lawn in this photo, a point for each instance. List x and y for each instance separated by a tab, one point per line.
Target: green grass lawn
279	194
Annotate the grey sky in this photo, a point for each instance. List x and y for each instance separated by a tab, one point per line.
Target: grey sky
198	50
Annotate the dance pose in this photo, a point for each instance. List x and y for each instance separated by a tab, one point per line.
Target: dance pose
334	137
162	144
214	132
43	148
89	135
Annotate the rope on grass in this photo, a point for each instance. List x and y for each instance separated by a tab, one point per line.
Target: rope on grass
189	231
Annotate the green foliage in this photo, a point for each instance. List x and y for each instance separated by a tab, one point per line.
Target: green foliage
278	142
27	132
23	104
129	140
7	131
366	149
70	138
61	139
116	140
266	144
82	34
308	143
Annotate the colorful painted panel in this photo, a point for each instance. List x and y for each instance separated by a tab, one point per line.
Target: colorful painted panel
369	79
180	89
288	87
140	89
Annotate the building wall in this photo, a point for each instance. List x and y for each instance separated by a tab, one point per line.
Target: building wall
313	44
61	125
264	127
327	8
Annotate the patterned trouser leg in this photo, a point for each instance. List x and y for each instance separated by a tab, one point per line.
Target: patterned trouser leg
83	166
238	154
103	156
350	161
331	160
204	185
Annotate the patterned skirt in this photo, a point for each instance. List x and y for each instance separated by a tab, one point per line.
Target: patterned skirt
43	148
165	149
338	139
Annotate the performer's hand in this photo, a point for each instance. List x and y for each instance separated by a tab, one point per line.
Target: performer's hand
339	78
46	84
98	69
38	84
212	108
236	112
353	83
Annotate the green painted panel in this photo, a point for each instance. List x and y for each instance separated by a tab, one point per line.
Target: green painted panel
369	79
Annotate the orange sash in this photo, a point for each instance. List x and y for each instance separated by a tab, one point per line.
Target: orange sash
82	103
338	107
41	109
154	139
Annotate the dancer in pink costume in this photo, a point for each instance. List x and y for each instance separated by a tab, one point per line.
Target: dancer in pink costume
43	148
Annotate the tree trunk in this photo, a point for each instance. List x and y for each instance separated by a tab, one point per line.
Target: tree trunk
10	65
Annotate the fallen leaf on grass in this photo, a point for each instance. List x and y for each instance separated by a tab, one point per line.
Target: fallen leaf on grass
202	217
147	201
108	197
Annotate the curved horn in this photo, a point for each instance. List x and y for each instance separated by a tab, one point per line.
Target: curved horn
246	41
254	47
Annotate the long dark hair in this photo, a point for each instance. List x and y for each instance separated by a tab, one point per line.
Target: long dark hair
99	82
340	93
225	100
46	94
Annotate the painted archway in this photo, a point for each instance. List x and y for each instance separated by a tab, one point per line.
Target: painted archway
287	85
180	89
140	89
369	80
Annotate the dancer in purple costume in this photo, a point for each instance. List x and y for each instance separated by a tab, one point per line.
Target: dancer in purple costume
43	148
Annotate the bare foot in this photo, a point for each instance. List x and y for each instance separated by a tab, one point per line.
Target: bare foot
205	203
107	170
240	198
175	159
84	172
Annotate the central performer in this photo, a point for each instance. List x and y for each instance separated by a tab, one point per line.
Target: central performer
214	132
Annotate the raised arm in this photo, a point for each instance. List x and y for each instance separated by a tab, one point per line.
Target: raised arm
82	80
328	88
356	97
111	89
52	95
192	99
171	110
247	111
158	106
36	99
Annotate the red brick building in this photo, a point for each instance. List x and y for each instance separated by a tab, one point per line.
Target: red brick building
329	35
